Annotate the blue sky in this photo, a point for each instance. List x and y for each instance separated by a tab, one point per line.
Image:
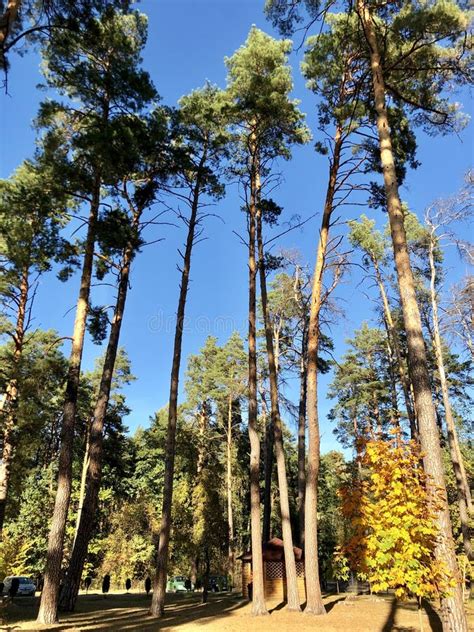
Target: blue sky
187	43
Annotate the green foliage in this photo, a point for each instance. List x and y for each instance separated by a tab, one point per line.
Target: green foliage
128	549
423	52
101	64
96	136
24	542
33	210
361	387
217	373
202	139
271	212
216	381
41	373
364	236
331	527
424	59
332	68
37	20
340	565
259	84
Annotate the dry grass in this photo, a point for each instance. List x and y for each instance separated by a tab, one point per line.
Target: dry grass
120	612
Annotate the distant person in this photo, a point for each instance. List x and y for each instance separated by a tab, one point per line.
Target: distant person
187	584
147	585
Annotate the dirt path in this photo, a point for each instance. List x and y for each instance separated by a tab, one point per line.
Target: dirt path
120	612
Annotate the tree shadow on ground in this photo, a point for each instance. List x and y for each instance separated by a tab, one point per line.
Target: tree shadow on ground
114	614
433	616
329	606
279	606
389	624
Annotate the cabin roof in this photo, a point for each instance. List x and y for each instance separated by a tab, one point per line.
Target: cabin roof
272	551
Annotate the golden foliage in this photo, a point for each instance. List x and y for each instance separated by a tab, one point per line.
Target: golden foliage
392	513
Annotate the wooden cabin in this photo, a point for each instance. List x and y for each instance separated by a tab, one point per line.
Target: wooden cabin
273	571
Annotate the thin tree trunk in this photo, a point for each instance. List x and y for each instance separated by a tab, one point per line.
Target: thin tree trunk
95	444
258	592
452	610
194	569
302	437
268	470
10	403
395	345
462	485
301	408
159	589
82	489
394	412
52	576
203	426
357	443
202	544
230	514
276	345
290	564
205	583
314	602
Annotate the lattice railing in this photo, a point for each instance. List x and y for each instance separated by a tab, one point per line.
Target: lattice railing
275	570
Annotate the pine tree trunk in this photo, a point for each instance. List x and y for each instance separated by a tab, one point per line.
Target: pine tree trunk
302	438
358	443
462	485
159	588
10	403
394	412
95	445
290	564
54	557
393	337
268	470
301	409
230	514
314	602
452	610
258	593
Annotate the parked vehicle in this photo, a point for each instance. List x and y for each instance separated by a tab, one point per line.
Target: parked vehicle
218	583
177	584
26	586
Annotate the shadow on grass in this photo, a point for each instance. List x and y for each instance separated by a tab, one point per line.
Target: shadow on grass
329	606
389	624
433	617
130	612
279	606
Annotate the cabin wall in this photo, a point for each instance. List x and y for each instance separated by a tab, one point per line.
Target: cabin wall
275	580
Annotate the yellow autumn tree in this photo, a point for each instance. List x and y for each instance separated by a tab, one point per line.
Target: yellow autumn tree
393	531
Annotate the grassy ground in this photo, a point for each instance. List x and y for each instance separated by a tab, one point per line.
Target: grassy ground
224	613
